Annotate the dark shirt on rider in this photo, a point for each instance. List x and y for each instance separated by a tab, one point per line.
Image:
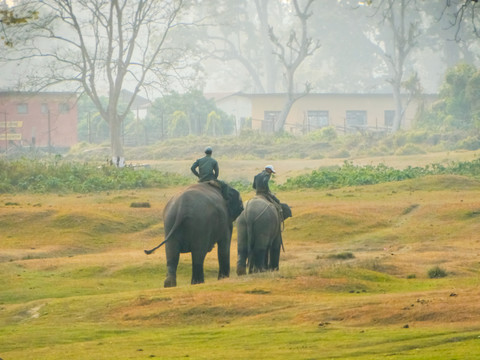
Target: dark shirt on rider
260	182
207	169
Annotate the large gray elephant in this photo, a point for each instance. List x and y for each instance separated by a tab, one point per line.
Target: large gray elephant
259	236
194	221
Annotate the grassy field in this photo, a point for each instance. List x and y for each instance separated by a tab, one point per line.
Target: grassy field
353	283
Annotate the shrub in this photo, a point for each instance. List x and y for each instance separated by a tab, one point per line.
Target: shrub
341	154
410	149
417	137
470	143
436	272
42	177
324	134
342	256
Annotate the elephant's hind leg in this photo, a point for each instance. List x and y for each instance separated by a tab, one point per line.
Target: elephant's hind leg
197	269
274	259
259	260
173	256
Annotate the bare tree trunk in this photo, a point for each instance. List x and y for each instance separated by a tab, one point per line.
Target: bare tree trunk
118	157
399	111
291	55
404	32
269	63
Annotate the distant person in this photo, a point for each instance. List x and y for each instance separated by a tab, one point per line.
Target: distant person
260	184
207	167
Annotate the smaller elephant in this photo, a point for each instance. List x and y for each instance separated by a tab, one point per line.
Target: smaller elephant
260	236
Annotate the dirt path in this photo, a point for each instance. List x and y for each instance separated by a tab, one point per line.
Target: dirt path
232	169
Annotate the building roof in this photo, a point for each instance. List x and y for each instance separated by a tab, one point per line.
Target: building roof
332	94
37	93
138	102
222	96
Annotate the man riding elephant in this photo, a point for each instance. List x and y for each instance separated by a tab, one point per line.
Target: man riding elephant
207	167
208	171
260	184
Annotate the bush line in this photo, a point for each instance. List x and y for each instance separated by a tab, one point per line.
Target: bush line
352	175
35	176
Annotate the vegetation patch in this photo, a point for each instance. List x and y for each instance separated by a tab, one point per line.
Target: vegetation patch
9	203
436	273
46	176
258	292
352	175
409	209
140	205
342	256
472	214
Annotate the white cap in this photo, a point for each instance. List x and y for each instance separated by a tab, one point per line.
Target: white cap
270	167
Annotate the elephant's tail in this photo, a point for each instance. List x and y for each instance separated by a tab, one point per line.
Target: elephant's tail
178	222
151	251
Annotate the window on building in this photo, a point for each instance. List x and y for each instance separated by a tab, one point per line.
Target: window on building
356	118
44	108
317	119
269	120
63	108
389	117
22	108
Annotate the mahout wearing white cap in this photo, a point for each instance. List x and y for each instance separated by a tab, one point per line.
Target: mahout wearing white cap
270	167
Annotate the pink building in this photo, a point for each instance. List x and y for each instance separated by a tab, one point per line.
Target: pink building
42	119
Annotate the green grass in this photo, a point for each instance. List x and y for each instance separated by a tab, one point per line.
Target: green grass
75	283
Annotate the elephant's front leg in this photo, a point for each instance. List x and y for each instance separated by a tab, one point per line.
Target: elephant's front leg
224	258
172	252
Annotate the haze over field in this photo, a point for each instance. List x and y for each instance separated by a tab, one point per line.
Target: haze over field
381	256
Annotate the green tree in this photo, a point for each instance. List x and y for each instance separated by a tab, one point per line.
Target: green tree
472	94
178	124
214	124
458	106
196	108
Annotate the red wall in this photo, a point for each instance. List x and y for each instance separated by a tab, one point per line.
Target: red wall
38	124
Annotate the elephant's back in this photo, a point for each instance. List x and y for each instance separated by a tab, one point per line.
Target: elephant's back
197	201
259	207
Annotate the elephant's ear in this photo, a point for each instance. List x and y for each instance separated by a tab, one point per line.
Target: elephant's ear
234	203
287	211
